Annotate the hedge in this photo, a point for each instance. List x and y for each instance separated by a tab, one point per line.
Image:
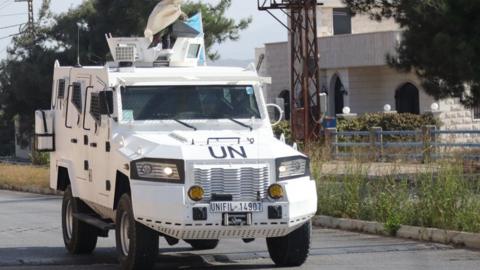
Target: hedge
387	121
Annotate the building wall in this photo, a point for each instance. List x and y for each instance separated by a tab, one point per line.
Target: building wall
363	24
359	50
360	23
370	88
276	65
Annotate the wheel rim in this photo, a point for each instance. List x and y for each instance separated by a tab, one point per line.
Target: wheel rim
124	235
69	219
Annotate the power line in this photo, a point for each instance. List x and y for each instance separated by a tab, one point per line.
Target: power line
12	35
13	14
11	26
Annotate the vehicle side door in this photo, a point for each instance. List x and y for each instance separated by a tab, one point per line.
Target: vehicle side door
99	149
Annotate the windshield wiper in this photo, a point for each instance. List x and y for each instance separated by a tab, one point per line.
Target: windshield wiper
240	123
185	124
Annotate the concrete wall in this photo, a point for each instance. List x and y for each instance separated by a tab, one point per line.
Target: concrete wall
276	65
359	50
370	88
360	23
363	24
455	116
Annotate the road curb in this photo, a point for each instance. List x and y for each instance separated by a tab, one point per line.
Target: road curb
469	240
30	189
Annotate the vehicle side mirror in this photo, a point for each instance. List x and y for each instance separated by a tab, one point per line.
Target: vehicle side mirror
281	113
101	104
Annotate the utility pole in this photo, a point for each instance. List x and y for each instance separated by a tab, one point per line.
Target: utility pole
304	65
30	24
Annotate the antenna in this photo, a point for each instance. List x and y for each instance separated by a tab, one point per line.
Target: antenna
78	45
79	25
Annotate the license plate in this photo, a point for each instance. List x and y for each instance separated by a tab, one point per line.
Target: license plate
235	207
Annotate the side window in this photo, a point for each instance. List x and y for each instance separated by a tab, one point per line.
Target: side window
61	89
101	103
95	111
77	96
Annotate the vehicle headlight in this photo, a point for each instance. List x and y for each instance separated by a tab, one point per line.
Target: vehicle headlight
158	170
292	167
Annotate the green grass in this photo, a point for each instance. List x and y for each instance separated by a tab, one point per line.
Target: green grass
448	199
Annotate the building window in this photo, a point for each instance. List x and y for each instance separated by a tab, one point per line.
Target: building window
342	21
476	112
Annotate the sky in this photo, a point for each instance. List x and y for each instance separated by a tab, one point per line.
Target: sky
264	29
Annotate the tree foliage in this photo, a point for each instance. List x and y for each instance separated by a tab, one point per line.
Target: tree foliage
441	43
26	74
129	18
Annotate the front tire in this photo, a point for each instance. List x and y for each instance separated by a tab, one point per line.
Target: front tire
79	237
292	249
203	244
137	245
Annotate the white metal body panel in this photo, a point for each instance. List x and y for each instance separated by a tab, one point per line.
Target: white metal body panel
165	207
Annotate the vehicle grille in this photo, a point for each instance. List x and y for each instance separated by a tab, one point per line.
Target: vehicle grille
243	182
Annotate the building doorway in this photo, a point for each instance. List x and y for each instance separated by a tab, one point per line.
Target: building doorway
407	99
339	95
285	95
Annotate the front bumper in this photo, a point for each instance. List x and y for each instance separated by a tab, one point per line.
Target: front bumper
176	220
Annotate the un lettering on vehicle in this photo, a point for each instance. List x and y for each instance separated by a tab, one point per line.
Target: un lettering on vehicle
223	152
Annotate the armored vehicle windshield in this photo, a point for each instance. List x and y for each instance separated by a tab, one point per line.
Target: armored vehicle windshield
140	103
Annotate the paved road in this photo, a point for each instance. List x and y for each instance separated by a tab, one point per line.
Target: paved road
30	238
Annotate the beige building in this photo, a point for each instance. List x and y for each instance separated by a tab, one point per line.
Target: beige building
354	70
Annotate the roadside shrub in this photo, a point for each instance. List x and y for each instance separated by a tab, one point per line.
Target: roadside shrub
447	199
284	128
40	158
387	121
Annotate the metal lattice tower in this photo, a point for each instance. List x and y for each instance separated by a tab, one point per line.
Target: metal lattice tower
305	70
30	24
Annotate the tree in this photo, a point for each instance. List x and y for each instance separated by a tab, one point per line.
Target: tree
26	74
25	77
441	43
218	28
129	17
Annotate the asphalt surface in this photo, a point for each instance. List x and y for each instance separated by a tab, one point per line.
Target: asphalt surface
30	238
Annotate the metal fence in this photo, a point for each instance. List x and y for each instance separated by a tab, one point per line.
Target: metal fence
425	145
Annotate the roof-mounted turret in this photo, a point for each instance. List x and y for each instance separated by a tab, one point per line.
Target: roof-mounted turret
170	39
185	52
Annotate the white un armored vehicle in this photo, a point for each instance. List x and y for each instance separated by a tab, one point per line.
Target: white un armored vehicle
153	145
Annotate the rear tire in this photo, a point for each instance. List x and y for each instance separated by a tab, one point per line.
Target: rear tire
292	249
203	244
79	237
137	245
